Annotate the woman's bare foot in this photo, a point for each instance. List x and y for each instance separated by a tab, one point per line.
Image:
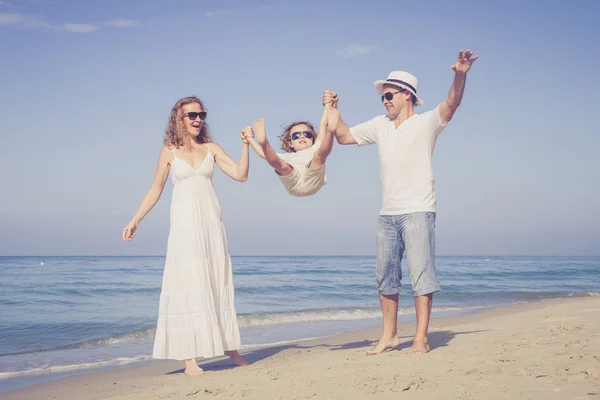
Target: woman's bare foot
384	345
192	369
236	358
418	347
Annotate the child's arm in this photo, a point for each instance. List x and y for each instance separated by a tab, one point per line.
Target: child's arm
268	153
325	135
254	144
323	123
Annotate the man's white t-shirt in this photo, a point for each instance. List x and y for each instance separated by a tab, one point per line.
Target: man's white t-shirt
404	159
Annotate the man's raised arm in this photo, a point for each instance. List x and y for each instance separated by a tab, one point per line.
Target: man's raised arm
449	106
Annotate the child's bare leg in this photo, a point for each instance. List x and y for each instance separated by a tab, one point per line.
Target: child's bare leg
280	166
328	126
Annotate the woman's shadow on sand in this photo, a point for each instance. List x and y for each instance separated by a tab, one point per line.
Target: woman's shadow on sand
436	340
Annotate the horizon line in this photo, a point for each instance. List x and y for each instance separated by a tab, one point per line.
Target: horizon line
311	255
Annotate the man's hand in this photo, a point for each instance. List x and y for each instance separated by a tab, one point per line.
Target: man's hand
330	97
463	62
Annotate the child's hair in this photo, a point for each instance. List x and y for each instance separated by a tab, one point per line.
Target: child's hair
286	137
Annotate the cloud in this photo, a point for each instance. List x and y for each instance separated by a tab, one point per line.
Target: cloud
123	23
22	21
355	50
11	19
262	7
80	28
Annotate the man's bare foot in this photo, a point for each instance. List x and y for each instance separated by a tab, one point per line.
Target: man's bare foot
384	345
418	347
259	131
192	369
236	358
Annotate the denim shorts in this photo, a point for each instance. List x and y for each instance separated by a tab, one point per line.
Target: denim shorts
413	234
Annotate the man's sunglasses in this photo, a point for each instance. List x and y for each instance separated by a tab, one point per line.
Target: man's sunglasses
389	95
306	134
193	115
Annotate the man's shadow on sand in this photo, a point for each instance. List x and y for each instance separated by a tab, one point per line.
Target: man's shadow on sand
436	340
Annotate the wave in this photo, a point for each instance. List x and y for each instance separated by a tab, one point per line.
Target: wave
245	321
306	316
72	367
324	315
125	337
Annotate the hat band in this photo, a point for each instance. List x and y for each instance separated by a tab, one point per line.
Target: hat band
403	83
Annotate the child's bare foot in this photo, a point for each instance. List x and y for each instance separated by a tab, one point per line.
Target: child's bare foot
259	131
236	358
384	345
192	369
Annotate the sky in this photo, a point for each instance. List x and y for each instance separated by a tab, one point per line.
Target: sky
87	88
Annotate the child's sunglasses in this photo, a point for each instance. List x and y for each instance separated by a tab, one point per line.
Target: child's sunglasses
193	115
306	134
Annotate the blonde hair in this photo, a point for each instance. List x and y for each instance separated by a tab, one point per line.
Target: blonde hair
174	134
286	137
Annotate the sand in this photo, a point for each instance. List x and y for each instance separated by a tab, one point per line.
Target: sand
542	350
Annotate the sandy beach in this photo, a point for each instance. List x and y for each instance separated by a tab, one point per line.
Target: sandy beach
543	350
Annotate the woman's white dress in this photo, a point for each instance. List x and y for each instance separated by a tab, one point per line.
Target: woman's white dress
196	315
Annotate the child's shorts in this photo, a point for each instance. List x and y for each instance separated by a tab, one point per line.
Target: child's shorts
304	181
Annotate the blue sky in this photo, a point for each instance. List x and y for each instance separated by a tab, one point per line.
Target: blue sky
87	89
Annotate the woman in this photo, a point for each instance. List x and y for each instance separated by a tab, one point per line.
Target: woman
196	316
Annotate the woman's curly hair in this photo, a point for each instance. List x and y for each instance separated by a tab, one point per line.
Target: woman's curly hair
174	135
286	137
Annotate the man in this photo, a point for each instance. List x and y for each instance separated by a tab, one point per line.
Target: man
407	219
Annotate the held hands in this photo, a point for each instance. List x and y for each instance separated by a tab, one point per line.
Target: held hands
330	97
246	134
129	231
464	61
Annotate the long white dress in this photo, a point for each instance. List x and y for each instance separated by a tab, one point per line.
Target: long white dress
196	316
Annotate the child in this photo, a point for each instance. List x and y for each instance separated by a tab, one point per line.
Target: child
301	168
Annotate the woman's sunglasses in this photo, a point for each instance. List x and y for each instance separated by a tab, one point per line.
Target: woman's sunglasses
389	96
193	115
306	134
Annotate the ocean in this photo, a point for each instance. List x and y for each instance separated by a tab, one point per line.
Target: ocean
67	315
